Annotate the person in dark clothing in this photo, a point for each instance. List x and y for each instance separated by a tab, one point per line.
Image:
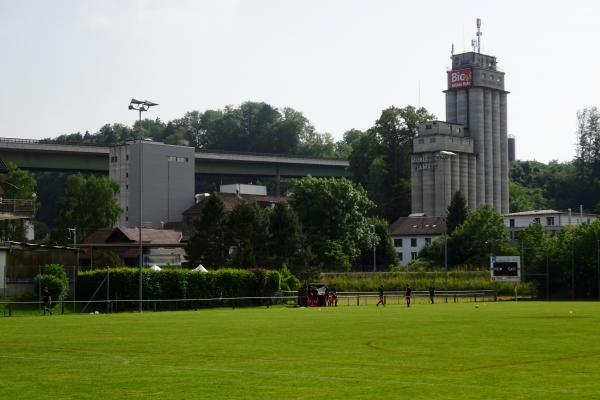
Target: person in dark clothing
431	294
46	300
407	295
381	297
334	296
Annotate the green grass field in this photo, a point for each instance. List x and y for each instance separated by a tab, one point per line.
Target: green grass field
525	350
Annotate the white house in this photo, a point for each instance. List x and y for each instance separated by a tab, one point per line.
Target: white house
550	220
411	234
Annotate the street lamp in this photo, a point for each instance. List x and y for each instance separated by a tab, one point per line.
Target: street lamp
140	105
444	155
374	256
73	234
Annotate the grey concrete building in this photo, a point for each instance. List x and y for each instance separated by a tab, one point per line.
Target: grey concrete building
167	182
468	151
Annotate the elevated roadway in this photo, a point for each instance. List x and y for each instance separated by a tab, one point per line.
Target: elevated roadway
34	155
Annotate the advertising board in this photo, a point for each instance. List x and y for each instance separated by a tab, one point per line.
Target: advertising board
460	78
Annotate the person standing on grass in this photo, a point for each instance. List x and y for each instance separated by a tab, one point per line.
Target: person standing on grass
46	300
381	297
431	294
334	296
407	295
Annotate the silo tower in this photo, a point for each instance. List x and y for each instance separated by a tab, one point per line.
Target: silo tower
472	154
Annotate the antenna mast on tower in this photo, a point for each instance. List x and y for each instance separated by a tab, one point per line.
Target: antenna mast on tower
479	35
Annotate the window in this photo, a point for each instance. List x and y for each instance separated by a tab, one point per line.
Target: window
397	242
413	242
400	256
126	174
428	126
511	222
550	221
414	255
427	241
432	140
536	220
126	187
127	157
421	141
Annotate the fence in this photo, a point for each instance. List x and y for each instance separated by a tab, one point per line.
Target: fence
10	308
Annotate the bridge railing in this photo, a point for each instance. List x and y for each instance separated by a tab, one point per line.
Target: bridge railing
22	208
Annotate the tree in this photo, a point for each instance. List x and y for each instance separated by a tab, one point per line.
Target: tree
385	254
525	199
333	213
482	234
380	160
89	203
457	212
207	243
16	184
285	241
247	229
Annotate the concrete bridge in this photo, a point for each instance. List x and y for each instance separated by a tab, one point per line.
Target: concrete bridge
34	155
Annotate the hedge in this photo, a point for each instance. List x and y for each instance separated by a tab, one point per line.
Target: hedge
397	281
177	284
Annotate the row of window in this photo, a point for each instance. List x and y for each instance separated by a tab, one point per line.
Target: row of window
114	159
536	220
413	242
177	159
413	255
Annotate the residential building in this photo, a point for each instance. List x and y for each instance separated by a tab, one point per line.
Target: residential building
125	245
550	220
411	234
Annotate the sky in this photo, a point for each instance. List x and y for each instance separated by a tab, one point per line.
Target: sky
72	66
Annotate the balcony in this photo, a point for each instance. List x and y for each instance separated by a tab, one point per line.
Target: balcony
17	208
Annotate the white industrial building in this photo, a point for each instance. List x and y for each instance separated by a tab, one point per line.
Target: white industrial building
167	182
550	220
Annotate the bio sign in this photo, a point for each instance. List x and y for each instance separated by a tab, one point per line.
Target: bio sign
505	268
460	78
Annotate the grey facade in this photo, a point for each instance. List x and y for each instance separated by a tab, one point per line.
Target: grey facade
167	182
469	151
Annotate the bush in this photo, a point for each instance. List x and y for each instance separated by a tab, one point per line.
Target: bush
55	278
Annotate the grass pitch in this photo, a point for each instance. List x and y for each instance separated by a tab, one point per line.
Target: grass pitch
523	350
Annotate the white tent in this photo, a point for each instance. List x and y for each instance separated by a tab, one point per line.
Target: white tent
200	268
155	268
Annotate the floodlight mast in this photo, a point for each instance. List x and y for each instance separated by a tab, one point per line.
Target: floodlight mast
140	105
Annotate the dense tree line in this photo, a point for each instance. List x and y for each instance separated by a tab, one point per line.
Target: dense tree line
250	127
325	226
564	263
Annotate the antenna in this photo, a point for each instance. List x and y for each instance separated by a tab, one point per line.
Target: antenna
452	48
479	35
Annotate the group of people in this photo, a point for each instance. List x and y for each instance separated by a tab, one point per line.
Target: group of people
407	295
323	296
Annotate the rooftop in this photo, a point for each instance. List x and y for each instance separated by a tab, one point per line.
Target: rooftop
415	226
